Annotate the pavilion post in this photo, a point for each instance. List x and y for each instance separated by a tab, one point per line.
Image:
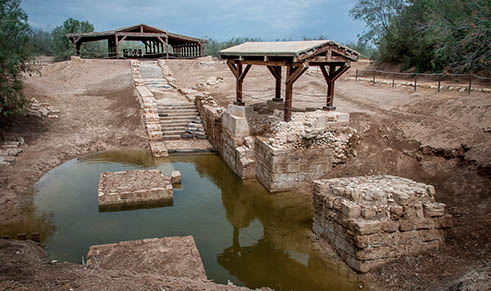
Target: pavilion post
288	94
276	72
116	46
238	91
167	48
330	89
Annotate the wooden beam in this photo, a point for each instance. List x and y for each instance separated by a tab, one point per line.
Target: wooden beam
233	68
276	72
167	48
238	91
295	74
242	76
339	72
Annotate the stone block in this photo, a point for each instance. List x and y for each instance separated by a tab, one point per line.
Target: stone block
362	226
434	209
239	111
176	257
134	187
176	177
350	209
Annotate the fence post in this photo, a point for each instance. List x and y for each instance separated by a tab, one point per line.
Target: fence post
415	82
439	81
470	85
393	81
356	76
373	82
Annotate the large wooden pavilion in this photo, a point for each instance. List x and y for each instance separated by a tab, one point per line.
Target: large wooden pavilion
333	59
158	42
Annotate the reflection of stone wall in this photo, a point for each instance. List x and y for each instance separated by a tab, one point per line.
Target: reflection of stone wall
371	220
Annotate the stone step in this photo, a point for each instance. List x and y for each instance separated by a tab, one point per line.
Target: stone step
169	137
165	106
173	132
178	112
170	123
178	117
171	128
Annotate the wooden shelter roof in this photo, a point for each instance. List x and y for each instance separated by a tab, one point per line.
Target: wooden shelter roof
297	50
137	31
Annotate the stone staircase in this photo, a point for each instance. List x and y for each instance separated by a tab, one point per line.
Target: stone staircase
180	120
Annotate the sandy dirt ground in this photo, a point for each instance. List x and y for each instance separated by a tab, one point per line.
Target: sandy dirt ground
98	111
441	139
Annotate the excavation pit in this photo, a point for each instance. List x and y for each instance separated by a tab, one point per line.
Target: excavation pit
134	189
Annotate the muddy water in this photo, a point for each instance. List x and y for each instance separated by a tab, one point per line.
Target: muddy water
243	233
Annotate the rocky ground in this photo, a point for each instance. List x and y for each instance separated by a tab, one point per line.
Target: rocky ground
442	139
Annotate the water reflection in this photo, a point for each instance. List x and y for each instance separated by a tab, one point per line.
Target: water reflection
31	222
243	233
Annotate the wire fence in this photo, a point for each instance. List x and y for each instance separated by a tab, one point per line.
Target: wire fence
462	82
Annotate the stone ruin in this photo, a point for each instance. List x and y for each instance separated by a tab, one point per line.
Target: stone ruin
374	219
133	189
280	155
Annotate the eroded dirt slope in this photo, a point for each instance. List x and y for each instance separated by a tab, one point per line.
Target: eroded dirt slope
98	111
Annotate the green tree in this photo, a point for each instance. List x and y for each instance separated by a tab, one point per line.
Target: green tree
14	57
41	42
62	47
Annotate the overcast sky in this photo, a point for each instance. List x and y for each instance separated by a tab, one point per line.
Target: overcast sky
217	19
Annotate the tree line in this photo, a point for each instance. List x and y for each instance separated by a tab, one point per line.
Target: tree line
429	35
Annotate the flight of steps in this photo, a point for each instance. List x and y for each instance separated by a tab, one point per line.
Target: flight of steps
180	120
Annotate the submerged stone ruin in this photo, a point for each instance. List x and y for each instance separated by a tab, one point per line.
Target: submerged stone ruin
373	219
134	188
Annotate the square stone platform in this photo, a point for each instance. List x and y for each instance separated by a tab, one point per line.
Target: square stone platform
371	220
134	189
170	256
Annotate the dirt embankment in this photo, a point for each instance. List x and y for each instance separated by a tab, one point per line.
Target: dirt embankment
98	111
442	139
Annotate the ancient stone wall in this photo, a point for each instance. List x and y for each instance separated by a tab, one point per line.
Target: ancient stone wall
212	120
374	219
280	155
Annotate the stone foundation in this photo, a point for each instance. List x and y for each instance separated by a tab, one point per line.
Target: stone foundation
134	188
280	155
374	219
171	257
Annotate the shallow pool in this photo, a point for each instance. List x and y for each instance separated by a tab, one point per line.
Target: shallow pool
244	234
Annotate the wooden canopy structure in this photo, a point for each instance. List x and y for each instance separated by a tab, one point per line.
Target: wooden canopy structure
158	42
333	59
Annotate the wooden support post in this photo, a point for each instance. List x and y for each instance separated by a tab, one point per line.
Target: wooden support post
201	48
116	47
276	72
393	80
167	48
373	82
356	75
330	89
238	91
439	83
415	83
470	86
287	115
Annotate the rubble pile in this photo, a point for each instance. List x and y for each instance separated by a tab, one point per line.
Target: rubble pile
9	150
42	110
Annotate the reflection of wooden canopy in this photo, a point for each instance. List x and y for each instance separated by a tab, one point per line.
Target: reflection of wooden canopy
156	41
296	56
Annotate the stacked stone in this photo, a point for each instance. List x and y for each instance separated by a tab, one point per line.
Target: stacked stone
150	113
9	150
42	110
374	219
130	187
195	129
